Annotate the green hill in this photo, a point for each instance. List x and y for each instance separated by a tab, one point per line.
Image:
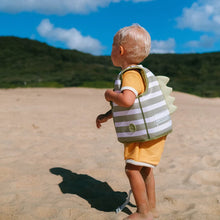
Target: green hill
29	63
197	74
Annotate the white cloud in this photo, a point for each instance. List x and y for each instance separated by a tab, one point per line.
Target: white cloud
204	42
203	15
71	37
59	7
167	46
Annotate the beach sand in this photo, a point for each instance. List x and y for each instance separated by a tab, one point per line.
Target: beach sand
55	164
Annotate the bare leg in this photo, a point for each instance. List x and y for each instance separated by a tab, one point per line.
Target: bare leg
148	176
139	191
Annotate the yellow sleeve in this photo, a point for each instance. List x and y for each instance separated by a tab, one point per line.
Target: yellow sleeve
133	81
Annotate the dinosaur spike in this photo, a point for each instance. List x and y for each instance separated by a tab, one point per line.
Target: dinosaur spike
172	108
163	79
168	90
170	100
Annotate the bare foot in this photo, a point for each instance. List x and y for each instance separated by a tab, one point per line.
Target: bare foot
155	213
138	216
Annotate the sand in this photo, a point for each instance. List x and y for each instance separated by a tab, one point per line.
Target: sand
55	164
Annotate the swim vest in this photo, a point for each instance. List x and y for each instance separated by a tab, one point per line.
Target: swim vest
149	117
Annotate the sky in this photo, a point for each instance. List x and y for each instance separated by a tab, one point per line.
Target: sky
175	26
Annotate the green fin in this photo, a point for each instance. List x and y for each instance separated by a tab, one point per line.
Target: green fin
172	108
163	80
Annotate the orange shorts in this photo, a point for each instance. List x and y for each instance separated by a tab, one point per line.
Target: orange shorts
148	152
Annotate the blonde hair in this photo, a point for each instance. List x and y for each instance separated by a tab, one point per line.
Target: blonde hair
136	42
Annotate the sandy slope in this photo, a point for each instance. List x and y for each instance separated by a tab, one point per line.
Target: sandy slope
55	164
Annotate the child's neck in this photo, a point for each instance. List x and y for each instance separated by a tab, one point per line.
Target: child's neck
124	66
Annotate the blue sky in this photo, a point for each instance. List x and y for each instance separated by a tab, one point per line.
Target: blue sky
175	26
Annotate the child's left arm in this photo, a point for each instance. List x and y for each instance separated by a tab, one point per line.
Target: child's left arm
124	99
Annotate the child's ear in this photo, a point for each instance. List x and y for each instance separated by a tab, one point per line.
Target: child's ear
122	50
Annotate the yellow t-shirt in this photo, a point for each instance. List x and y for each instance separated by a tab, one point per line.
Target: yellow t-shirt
133	81
141	153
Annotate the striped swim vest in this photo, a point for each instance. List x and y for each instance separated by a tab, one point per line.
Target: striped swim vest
149	117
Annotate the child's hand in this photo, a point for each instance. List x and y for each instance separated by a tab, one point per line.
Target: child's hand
101	119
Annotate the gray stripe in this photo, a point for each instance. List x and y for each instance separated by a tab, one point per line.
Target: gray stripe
152	101
158	123
139	127
131	139
128	117
155	111
144	137
137	105
164	132
139	116
126	129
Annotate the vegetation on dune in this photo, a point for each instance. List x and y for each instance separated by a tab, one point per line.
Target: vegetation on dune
29	63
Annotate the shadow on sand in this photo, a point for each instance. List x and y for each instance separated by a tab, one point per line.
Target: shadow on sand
98	194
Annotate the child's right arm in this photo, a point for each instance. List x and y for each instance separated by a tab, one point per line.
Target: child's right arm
124	99
103	118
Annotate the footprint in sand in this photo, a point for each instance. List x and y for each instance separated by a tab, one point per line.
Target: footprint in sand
211	160
205	177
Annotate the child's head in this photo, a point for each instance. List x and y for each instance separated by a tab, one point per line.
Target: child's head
135	41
